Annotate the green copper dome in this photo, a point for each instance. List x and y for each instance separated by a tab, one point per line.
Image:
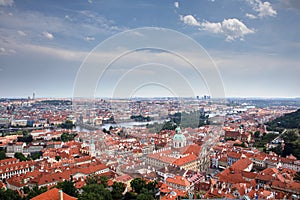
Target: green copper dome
179	137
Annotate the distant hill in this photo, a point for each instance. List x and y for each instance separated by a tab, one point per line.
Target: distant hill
291	137
289	121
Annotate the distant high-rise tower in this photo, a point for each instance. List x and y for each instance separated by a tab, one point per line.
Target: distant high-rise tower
33	95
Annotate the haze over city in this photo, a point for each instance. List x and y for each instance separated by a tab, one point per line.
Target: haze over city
254	44
148	100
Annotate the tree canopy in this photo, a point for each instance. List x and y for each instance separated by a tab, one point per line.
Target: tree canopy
95	192
20	156
68	188
287	121
9	195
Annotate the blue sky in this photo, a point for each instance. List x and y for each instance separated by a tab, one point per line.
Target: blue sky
255	45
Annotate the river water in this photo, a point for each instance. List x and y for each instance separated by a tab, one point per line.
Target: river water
123	124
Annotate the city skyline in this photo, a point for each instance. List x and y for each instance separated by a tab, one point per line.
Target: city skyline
254	44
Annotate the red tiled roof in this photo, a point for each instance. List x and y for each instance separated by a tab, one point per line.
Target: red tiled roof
79	184
241	164
234	154
223	159
194	148
53	194
15	166
185	160
162	156
229	176
8	160
55	177
91	169
123	178
178	180
249	175
268	174
293	185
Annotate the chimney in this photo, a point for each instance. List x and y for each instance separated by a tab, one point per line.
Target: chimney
61	196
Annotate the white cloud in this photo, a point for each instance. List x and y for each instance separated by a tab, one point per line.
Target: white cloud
176	4
2	50
88	38
231	28
6	2
48	35
69	27
189	20
68	18
5	51
90	1
212	27
70	55
250	16
22	33
263	9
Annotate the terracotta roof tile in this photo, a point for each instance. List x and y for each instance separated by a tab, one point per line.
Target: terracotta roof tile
185	159
53	194
178	180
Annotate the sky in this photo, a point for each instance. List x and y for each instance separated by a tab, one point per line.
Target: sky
232	48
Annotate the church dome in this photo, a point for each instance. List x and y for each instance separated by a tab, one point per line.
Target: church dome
179	140
179	137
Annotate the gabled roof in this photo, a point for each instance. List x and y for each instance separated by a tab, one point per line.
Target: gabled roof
53	194
193	148
178	180
185	159
241	164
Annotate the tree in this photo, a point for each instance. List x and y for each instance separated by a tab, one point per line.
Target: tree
104	181
69	188
68	124
277	150
95	192
35	191
65	137
25	133
297	176
9	194
118	189
95	179
151	186
20	156
138	184
256	134
92	179
130	196
26	189
2	155
145	195
290	136
36	155
57	158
